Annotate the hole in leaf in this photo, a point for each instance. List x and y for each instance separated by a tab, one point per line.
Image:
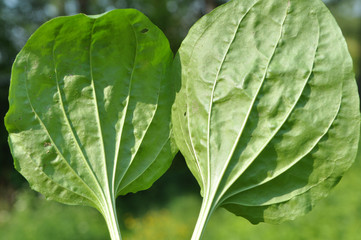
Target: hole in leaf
144	30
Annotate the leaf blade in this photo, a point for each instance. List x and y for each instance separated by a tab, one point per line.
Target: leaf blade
79	130
262	158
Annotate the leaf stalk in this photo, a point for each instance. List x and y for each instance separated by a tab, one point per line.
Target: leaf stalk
207	209
110	215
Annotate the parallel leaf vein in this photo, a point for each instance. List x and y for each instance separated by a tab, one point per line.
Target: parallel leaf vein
144	168
60	186
188	113
116	160
98	116
247	164
67	120
51	139
145	132
299	193
191	150
283	170
251	105
212	96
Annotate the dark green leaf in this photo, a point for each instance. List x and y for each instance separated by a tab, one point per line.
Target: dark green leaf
90	102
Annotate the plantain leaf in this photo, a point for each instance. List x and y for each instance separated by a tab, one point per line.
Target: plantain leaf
267	115
90	106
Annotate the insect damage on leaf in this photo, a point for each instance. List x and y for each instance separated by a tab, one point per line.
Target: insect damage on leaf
144	30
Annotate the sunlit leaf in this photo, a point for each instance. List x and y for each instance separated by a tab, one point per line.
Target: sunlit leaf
90	104
267	115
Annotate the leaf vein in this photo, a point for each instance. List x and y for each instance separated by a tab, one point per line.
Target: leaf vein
251	105
48	134
145	168
212	96
116	159
190	149
279	127
67	120
283	170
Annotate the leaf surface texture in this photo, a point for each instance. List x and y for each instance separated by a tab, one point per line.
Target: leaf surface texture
267	112
90	101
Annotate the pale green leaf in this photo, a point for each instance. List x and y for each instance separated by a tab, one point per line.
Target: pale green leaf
90	103
267	115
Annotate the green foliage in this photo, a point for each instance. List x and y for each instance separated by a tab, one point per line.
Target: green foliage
267	115
89	115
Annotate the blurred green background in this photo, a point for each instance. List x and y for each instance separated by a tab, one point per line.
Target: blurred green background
169	209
